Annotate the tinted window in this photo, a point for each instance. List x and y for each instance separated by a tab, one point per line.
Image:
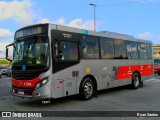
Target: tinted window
143	51
120	49
69	51
91	49
107	48
132	51
149	46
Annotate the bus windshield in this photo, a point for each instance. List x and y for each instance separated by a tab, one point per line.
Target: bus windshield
31	54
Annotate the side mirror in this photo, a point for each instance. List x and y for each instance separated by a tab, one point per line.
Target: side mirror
9	58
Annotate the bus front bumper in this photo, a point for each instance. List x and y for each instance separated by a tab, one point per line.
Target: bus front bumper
42	92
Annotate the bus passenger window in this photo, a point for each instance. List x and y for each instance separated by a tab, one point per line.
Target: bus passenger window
143	51
120	49
107	49
91	49
149	47
132	51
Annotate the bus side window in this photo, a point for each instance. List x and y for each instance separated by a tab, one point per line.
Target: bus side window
132	51
107	48
69	51
143	51
120	49
91	49
149	47
55	50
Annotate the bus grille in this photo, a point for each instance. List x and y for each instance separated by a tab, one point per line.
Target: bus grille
26	91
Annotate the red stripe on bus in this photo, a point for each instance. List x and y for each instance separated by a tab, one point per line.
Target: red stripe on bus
25	83
125	72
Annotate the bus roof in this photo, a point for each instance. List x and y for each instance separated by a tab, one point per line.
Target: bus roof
89	32
101	33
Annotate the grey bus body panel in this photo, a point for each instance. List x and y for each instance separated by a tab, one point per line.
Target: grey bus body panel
101	70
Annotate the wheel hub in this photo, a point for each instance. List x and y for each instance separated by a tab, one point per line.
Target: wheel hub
136	81
88	89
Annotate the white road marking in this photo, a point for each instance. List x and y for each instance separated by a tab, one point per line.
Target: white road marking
153	80
156	81
150	80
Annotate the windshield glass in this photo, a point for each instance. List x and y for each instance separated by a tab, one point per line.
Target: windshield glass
31	54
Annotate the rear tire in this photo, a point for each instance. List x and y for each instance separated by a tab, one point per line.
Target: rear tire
141	84
86	89
135	80
159	72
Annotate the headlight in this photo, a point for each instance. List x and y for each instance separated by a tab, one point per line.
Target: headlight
38	85
42	82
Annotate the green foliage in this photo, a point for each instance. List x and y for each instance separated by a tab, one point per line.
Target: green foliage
5	62
156	57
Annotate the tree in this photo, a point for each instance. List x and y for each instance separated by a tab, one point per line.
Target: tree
5	62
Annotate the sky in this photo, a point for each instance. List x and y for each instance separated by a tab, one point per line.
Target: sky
140	19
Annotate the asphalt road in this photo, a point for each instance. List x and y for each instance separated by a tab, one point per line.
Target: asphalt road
115	99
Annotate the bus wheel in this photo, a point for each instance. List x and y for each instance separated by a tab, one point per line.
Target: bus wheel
86	89
141	84
135	80
159	72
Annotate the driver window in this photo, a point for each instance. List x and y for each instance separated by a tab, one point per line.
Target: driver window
69	51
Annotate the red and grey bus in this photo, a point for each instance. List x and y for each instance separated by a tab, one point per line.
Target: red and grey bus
53	61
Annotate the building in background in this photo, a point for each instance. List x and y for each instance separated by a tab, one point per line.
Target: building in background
156	53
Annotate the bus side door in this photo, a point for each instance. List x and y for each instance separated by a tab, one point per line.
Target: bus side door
65	67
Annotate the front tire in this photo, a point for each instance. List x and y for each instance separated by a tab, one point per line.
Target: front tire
86	89
135	80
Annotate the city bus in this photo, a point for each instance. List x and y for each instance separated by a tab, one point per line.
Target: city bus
53	61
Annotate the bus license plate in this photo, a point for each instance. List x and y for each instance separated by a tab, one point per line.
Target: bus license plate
21	92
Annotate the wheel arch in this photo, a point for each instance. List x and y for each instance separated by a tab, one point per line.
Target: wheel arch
136	71
92	78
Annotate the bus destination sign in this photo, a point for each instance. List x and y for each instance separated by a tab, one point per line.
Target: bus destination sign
28	31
